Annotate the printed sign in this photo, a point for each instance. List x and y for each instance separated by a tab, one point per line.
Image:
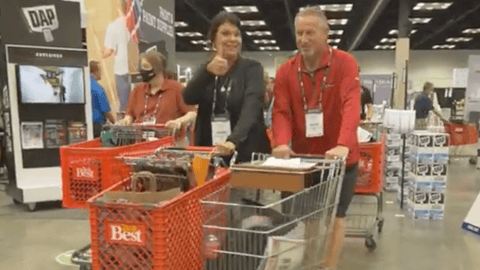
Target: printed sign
42	19
86	173
126	234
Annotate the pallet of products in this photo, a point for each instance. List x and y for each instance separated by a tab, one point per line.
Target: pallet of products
393	169
429	168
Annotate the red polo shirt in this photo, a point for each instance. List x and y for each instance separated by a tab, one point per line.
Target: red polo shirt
169	99
340	102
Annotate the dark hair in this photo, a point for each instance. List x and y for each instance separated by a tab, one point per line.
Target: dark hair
94	66
220	19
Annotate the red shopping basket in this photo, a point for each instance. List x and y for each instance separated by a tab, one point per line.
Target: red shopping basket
88	168
462	134
370	168
173	230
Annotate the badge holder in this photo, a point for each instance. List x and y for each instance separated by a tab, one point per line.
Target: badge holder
314	123
221	128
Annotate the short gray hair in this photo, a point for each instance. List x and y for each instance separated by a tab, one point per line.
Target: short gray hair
312	11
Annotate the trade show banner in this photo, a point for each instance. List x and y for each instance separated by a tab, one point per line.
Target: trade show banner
51	23
118	31
379	85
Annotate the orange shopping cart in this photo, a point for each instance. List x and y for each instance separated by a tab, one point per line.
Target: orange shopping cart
365	211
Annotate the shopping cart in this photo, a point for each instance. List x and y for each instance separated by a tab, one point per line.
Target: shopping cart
365	211
463	134
374	128
290	233
168	229
120	135
89	167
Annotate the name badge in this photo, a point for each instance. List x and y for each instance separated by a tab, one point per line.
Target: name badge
314	123
150	121
221	129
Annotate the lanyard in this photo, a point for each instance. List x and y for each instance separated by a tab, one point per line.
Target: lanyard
324	83
228	89
147	96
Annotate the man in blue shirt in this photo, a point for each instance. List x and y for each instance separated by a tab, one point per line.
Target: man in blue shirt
100	106
423	105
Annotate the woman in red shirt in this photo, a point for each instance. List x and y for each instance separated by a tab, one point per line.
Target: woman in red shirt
158	100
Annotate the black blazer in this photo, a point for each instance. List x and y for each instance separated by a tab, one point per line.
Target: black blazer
245	106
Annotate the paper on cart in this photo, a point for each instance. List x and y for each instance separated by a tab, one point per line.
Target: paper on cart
285	252
363	135
295	163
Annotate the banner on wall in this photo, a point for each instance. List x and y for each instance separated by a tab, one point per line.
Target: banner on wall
134	26
51	23
472	95
379	85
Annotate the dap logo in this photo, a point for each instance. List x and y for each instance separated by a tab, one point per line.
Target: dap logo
42	19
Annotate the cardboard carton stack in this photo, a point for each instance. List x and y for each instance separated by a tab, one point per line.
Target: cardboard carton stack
393	169
429	165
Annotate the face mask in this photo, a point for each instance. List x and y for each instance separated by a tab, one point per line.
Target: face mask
147	75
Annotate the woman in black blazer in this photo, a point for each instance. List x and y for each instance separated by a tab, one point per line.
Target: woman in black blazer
229	87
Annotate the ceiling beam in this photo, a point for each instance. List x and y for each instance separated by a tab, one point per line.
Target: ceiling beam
371	14
290	18
446	26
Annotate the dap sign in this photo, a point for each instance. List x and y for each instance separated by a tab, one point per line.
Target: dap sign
42	19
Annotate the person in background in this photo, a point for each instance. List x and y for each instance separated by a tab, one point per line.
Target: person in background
229	91
100	106
116	44
269	99
316	110
424	103
158	100
367	104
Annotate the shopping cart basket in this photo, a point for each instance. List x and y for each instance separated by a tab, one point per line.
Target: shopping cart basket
88	168
156	236
463	134
120	135
365	211
288	234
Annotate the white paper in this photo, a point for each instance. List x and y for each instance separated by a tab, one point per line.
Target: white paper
32	135
363	135
288	163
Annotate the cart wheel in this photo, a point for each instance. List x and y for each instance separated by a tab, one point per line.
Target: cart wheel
370	244
473	160
16	202
32	207
380	226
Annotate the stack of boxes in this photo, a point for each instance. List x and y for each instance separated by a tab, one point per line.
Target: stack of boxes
429	163
393	167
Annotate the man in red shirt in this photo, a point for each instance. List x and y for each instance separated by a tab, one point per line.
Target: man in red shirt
317	109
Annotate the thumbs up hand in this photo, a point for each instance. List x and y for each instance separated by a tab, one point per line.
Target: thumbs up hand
219	65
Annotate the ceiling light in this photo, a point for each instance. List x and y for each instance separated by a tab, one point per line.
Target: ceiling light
432	6
444	46
252	23
388	40
460	39
203	42
420	20
241	9
337	7
395	32
336	40
264	41
384	47
337	21
471	31
335	32
270	48
189	34
207	49
335	46
181	24
258	33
